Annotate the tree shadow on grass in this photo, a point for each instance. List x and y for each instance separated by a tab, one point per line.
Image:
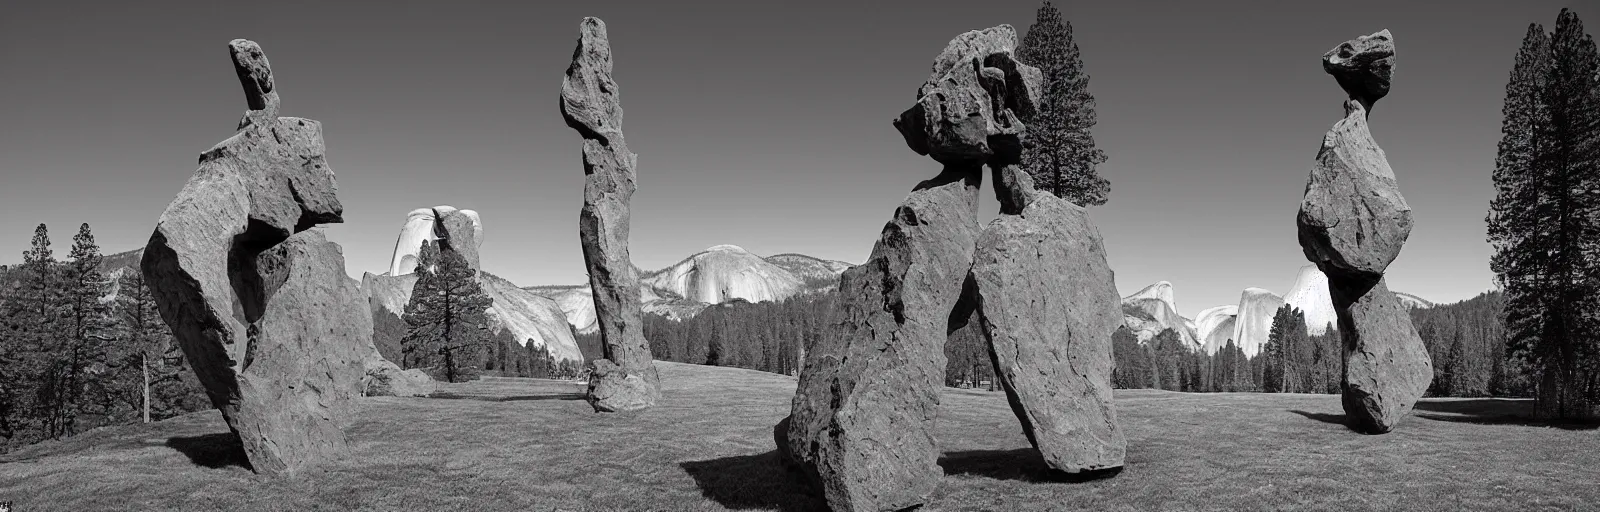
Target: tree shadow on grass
1025	464
522	398
1493	411
212	450
1336	419
753	482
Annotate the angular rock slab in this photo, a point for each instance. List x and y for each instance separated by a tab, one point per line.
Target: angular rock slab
1048	303
862	419
1353	220
861	424
1387	368
220	254
313	339
1363	66
590	105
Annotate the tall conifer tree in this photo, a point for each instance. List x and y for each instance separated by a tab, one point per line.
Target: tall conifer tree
1058	150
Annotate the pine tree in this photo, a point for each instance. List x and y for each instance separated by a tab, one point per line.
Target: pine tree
147	346
1058	150
447	316
1544	221
32	315
81	366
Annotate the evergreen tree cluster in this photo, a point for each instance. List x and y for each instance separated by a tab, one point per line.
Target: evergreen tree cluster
80	348
1544	221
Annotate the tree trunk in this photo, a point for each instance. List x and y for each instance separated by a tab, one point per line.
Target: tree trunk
144	369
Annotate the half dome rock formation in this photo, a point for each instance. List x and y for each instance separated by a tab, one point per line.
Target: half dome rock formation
1352	224
723	273
419	227
625	378
253	298
1254	320
1214	326
1048	305
1152	310
1310	294
861	423
525	316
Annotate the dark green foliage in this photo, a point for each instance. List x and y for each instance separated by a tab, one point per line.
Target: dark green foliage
765	336
1544	223
151	376
1467	341
447	316
967	359
1287	357
1059	151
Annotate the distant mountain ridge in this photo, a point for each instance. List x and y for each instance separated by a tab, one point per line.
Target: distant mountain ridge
716	275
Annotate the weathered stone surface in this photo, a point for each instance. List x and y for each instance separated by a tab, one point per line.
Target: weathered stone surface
1363	66
422	224
384	378
861	426
863	415
590	105
462	230
1048	304
1353	220
1352	224
1386	367
227	277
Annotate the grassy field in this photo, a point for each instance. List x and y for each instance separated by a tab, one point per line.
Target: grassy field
524	444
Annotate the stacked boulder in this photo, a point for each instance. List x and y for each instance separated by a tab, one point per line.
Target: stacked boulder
862	419
259	302
1352	224
624	379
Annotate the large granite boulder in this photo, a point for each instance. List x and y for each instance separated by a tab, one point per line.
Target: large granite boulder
861	423
384	378
1352	224
249	301
1048	303
590	105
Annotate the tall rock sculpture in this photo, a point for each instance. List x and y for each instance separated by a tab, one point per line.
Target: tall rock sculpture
1352	224
625	378
246	290
1048	303
861	426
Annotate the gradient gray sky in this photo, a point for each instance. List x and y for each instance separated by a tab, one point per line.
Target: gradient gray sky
758	123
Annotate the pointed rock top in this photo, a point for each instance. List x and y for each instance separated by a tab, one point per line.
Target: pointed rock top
589	101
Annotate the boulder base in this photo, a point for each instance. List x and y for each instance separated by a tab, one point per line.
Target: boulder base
1387	368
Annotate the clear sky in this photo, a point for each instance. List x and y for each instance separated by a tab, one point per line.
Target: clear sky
763	124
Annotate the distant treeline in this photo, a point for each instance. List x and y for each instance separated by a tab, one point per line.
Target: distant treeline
1465	339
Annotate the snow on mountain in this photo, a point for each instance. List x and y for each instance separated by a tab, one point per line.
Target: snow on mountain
1310	294
1254	321
1214	325
1152	310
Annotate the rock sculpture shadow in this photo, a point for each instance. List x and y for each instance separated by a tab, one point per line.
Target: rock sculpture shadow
260	305
1352	224
861	423
625	378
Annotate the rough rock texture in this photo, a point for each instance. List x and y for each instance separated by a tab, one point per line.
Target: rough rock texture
1363	66
590	105
384	378
1352	224
1048	304
248	300
1386	367
421	226
861	424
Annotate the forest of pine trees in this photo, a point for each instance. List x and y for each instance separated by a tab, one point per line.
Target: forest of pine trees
72	360
1544	221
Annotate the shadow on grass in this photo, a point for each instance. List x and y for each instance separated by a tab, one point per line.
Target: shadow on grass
1336	419
212	450
1493	411
1025	464
523	398
752	482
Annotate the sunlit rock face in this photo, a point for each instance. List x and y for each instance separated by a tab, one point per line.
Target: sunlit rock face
419	227
723	273
1215	326
1310	295
1256	309
1158	311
